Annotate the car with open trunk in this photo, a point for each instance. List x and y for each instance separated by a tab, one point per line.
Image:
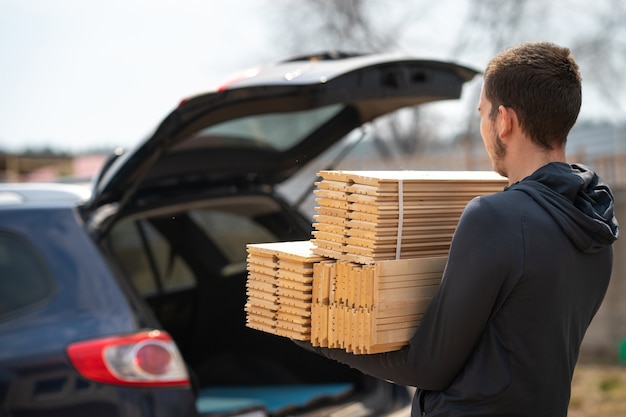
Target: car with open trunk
127	299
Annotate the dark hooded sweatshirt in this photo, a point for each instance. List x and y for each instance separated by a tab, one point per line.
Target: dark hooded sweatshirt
527	271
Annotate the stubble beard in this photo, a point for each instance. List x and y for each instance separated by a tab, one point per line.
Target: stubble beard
499	153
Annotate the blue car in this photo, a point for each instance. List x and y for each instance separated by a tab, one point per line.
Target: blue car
126	298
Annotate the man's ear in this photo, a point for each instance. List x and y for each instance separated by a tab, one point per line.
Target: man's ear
507	121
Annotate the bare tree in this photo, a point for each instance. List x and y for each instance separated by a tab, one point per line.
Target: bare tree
490	26
603	51
592	29
359	26
350	25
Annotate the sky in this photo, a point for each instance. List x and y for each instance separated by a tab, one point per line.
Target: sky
77	75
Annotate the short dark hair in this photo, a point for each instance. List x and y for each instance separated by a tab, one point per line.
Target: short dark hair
542	83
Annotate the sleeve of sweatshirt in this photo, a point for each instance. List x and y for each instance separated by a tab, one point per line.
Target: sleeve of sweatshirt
459	311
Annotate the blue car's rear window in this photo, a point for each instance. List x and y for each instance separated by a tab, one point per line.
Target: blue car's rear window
24	278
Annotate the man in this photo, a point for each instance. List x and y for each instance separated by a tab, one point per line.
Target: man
528	267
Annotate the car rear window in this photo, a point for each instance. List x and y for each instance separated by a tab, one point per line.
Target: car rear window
151	262
24	278
156	263
231	232
278	131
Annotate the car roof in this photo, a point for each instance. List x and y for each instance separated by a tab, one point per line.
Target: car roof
12	194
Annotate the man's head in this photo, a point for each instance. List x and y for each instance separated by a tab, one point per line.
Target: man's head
541	82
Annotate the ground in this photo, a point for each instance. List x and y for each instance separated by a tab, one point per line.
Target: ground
598	390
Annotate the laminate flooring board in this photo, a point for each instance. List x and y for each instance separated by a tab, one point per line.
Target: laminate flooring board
382	211
372	308
279	288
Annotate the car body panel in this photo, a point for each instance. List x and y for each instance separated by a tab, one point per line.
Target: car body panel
366	87
86	301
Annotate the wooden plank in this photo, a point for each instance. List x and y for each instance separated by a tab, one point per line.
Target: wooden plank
268	314
340	282
382	348
396	295
301	309
332	211
413	188
329	237
261	270
418	278
328	249
295	250
294	293
368	257
370	278
393	336
293	318
293	278
389	228
391	210
372	240
315	324
408	176
425	215
260	303
330	228
295	302
295	285
261	295
417	265
302	267
404	318
253	317
336	220
260	326
443	196
331	194
380	245
332	203
268	279
261	286
410	283
328	184
395	309
260	258
327	285
317	284
332	326
261	261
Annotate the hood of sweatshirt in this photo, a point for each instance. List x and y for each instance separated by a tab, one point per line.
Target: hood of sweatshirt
578	200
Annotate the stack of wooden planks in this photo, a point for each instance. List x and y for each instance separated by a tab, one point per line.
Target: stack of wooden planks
339	304
371	308
280	287
380	246
366	216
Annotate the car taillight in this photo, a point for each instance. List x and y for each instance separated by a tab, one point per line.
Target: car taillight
143	359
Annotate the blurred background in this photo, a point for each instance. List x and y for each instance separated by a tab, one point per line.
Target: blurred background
83	78
79	79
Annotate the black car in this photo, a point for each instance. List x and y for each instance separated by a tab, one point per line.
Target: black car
129	300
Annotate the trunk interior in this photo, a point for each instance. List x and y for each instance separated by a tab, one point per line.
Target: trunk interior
188	263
